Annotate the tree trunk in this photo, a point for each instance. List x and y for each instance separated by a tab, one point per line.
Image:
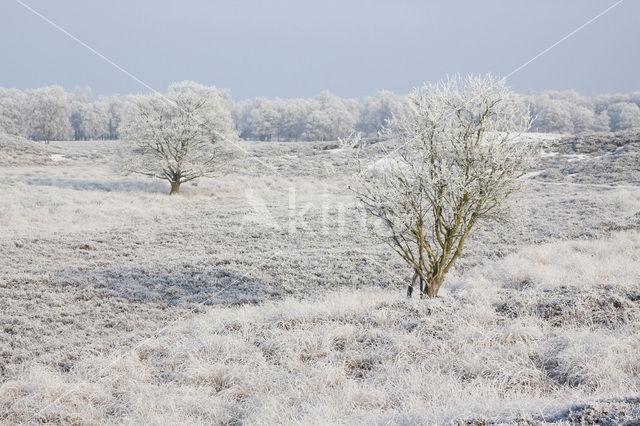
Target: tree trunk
434	285
175	188
423	289
413	282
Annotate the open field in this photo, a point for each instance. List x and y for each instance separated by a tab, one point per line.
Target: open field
257	298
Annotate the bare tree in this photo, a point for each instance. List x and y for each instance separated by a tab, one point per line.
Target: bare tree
458	158
179	137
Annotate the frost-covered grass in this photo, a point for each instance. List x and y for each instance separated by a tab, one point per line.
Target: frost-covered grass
526	336
245	317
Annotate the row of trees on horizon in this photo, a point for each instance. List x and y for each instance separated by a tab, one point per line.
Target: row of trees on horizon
51	113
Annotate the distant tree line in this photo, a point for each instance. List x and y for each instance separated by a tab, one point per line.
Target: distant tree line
323	117
51	113
569	112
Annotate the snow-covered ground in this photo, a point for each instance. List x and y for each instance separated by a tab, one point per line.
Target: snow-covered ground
256	298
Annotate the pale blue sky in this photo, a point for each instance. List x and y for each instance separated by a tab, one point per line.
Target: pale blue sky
293	48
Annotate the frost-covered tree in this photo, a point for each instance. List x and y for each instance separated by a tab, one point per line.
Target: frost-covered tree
376	110
330	117
264	119
458	159
293	114
89	116
179	137
49	114
603	122
583	119
98	127
624	116
13	107
319	125
90	120
552	116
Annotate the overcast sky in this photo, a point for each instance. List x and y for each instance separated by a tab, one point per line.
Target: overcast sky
296	48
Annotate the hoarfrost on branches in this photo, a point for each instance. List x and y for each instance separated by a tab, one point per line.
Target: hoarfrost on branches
179	137
459	157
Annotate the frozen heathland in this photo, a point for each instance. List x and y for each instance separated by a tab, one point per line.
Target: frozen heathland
254	297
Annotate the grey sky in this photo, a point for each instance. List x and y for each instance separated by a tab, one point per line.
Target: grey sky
293	48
